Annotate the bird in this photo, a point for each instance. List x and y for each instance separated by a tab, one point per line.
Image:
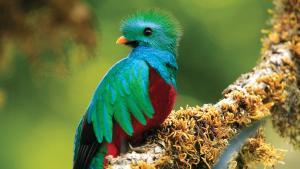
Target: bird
136	94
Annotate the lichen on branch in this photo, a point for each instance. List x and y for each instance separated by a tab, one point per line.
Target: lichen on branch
196	136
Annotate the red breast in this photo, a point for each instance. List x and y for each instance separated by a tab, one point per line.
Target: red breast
163	98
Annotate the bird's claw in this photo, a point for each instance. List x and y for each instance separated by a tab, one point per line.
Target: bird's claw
139	149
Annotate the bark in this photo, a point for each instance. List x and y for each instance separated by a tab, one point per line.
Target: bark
195	137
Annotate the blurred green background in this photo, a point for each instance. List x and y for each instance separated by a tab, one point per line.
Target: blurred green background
41	104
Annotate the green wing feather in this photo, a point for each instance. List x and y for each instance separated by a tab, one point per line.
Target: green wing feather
122	92
98	160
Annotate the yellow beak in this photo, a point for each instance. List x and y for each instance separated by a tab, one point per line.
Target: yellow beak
121	40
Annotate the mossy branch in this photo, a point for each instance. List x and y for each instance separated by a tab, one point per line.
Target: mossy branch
195	137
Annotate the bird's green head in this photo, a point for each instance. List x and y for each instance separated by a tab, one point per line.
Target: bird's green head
151	29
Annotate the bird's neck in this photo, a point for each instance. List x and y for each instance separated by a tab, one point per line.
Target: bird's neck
163	61
152	52
168	49
154	56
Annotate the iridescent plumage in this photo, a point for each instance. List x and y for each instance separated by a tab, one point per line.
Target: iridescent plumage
135	95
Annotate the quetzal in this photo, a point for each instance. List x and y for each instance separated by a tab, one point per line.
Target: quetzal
136	94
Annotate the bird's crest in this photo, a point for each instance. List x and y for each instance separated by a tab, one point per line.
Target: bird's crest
156	17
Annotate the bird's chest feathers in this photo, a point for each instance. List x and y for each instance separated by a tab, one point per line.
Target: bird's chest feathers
162	97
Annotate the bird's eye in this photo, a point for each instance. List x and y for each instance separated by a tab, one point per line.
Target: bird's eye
147	31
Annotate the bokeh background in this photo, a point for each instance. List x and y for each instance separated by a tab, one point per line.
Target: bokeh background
53	53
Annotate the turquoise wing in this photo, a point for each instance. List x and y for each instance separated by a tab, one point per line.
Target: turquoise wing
122	92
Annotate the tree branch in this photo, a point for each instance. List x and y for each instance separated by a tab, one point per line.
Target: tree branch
195	137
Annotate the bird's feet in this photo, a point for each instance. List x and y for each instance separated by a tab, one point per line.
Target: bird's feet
139	149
